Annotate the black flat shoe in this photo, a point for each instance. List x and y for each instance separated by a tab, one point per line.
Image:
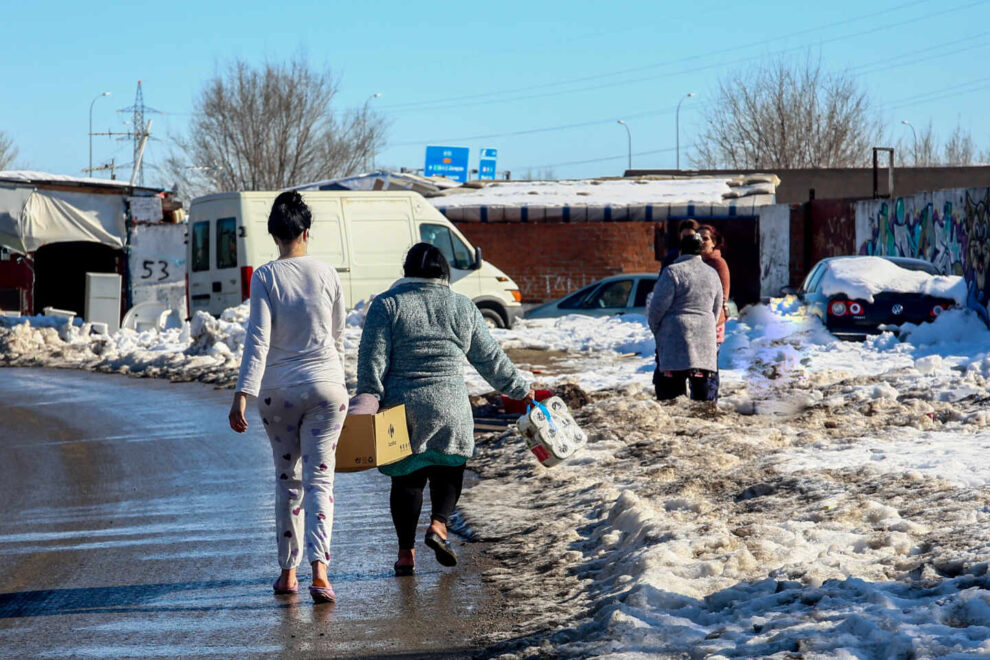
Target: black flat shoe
402	570
445	554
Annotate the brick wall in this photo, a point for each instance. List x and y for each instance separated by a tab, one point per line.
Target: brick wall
550	259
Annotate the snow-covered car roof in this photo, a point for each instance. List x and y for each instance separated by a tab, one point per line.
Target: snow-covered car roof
861	278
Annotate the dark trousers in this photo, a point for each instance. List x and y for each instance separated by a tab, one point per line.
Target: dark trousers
702	384
406	499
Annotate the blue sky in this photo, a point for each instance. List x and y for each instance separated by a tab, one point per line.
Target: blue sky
542	82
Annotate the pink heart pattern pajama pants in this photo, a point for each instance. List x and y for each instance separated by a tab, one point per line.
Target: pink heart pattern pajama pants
303	423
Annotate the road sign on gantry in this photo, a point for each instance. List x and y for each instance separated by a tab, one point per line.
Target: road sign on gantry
486	166
451	162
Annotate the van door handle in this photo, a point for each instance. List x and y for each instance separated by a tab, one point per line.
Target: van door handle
342	269
217	287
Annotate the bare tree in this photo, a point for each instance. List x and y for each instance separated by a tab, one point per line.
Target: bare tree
960	149
8	152
787	114
924	149
272	127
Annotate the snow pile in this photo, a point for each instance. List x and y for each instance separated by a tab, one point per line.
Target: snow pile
861	278
688	531
625	334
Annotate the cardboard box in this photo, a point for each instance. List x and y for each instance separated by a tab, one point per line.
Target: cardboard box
367	441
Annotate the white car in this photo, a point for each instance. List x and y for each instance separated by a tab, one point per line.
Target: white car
618	294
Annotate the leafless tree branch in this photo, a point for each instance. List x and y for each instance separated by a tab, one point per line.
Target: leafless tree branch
272	127
8	152
787	114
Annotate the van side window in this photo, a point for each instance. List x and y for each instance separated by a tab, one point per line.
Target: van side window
452	247
201	246
227	243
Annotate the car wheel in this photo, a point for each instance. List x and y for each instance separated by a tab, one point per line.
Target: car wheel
492	318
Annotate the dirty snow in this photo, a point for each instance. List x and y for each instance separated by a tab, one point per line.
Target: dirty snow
861	278
833	505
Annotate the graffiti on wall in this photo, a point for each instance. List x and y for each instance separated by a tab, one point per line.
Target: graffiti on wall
948	228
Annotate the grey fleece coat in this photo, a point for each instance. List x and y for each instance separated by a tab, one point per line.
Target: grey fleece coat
687	301
412	351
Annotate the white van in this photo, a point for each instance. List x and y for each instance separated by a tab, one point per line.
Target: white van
365	235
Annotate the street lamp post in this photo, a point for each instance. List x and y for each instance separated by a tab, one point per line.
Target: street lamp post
915	133
629	136
91	131
364	122
677	128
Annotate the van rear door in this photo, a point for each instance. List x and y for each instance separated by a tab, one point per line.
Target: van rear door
199	265
228	289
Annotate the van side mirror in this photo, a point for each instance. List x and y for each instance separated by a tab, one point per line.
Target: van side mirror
788	291
477	258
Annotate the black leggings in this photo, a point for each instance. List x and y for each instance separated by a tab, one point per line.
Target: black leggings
406	499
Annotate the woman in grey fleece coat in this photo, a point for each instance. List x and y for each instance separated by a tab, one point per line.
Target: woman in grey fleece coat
415	339
683	313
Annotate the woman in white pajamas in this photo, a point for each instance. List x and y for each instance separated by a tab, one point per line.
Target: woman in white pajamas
294	364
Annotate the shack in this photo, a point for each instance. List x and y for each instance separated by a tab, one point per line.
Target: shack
54	229
553	237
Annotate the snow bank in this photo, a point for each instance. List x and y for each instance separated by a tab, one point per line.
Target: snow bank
861	278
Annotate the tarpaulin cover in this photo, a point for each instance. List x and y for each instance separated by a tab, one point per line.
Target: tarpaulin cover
31	218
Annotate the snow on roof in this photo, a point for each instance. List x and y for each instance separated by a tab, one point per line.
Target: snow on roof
861	278
33	176
382	180
591	191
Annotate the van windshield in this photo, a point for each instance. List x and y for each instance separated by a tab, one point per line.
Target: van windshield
452	247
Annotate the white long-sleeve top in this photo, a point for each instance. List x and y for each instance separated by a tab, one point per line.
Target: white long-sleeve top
295	333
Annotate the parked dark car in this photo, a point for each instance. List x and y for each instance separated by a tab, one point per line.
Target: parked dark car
848	318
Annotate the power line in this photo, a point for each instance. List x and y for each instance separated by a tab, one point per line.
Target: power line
438	104
926	97
610	74
894	62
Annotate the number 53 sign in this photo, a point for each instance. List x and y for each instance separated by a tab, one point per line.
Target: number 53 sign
157	254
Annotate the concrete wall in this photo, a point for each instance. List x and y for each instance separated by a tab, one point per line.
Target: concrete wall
949	228
854	182
157	263
775	249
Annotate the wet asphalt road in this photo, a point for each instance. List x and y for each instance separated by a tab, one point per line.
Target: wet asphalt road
136	524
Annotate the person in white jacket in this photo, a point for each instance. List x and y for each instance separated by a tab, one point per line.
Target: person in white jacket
294	364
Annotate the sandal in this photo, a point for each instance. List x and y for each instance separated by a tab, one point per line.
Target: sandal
445	553
402	570
284	592
323	594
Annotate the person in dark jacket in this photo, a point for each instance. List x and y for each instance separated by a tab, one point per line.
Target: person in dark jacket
686	227
686	302
412	351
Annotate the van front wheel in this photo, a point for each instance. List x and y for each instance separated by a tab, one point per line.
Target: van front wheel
492	318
